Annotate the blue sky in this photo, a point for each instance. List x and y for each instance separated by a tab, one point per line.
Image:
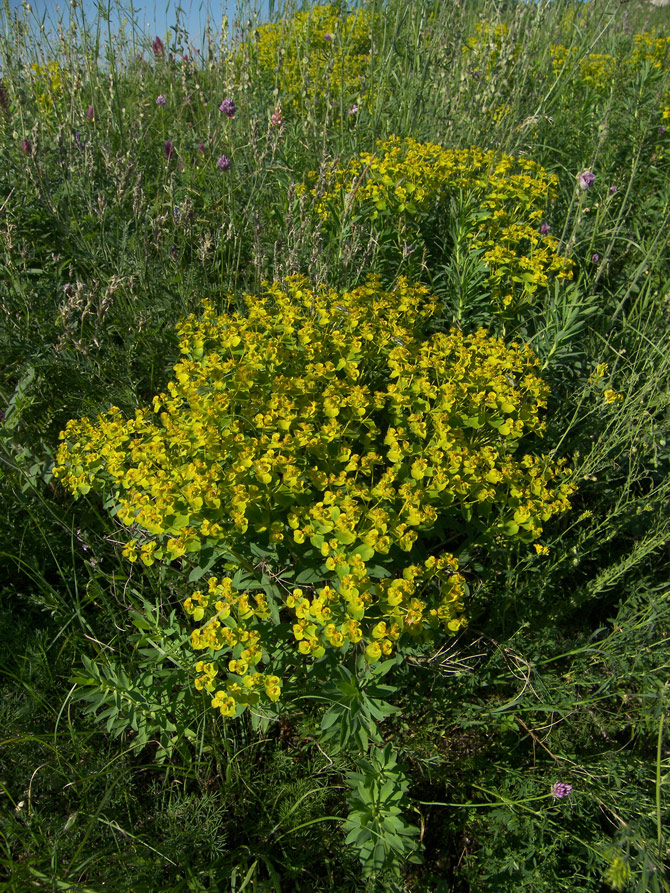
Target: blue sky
152	16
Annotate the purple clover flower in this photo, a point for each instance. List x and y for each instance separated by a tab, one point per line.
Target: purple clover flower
613	189
168	150
158	48
586	179
223	163
161	100
561	790
353	110
228	108
328	37
544	229
595	257
202	148
27	147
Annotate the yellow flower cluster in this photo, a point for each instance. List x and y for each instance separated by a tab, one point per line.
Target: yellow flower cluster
654	50
488	46
48	84
650	47
407	180
598	70
317	57
595	70
325	426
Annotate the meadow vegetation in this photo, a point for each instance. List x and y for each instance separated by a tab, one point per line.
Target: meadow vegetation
335	449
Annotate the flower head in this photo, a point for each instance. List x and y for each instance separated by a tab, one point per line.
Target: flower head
158	48
27	147
328	37
277	119
353	109
662	129
168	149
228	108
586	179
161	100
223	163
544	229
595	257
90	113
613	189
561	790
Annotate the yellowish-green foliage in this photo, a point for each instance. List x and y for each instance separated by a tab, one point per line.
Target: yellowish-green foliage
650	47
318	58
654	50
325	426
405	180
47	83
594	70
488	46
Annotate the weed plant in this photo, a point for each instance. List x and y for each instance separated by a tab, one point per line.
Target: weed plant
325	217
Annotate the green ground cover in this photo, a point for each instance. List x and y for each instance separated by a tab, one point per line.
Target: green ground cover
334	450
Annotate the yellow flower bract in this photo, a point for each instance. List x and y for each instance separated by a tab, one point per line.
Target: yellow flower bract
405	179
317	57
328	426
48	84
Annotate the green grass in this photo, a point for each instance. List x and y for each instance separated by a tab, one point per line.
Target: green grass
562	674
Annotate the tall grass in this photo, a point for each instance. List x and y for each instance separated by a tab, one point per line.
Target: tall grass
116	222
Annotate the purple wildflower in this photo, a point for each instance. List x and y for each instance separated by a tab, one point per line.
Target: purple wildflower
82	544
202	148
561	790
544	229
595	257
613	189
228	108
27	147
158	48
662	129
586	179
161	100
277	119
328	37
168	150
90	113
223	163
353	109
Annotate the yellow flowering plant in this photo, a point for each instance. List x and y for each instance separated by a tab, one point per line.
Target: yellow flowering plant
317	459
411	194
315	58
47	81
596	75
592	73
